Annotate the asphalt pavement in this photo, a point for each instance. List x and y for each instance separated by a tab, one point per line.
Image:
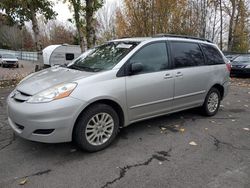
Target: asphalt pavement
181	150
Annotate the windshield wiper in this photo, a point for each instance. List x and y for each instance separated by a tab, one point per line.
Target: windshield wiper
91	69
82	68
75	67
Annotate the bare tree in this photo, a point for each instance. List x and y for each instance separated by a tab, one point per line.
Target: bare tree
106	22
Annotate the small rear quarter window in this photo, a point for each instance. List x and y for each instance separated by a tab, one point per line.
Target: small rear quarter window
212	55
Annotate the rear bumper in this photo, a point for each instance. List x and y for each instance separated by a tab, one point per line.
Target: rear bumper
226	86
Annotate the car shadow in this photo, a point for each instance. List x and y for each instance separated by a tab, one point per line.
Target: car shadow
63	152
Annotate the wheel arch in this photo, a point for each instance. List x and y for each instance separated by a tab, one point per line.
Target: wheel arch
115	105
220	89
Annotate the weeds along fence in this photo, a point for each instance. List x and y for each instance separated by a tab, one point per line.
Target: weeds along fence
22	55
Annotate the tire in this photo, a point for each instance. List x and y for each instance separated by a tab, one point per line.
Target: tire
91	140
212	102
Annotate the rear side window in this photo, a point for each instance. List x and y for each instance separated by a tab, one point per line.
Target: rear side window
186	54
212	55
153	57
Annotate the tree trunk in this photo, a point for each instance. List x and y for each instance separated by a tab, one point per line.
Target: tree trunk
79	26
214	21
203	18
90	30
35	28
221	25
231	26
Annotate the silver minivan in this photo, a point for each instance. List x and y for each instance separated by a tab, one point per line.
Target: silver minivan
115	84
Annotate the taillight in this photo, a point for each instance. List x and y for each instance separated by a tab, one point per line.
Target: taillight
228	67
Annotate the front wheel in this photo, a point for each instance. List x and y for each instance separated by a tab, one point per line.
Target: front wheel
96	127
212	102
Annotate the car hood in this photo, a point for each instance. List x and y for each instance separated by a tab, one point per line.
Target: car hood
48	78
9	59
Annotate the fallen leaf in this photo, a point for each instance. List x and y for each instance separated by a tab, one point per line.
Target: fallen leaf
73	150
163	128
181	129
233	120
246	129
192	143
24	181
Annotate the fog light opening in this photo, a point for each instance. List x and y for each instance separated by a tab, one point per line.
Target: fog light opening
43	131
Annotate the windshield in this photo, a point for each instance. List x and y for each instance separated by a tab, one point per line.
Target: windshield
103	57
242	59
10	56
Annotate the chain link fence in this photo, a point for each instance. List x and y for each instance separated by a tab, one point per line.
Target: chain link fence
22	55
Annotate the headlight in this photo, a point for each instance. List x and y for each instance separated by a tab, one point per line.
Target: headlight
54	93
248	66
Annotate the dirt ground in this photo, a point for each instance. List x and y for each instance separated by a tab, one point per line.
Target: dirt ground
25	68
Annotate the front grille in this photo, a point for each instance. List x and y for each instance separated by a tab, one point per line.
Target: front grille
20	127
11	62
21	96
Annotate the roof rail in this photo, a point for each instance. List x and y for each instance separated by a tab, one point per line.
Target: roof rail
181	36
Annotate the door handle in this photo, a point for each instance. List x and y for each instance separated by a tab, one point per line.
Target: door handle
178	74
167	76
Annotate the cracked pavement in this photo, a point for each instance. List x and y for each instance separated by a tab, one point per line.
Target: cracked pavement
152	153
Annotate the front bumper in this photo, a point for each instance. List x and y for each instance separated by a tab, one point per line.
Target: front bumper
31	121
10	63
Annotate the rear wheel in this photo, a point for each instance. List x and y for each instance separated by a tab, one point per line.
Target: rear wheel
212	102
96	127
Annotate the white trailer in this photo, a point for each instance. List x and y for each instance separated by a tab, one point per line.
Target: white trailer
60	54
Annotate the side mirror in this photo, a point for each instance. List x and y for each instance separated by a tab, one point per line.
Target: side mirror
135	68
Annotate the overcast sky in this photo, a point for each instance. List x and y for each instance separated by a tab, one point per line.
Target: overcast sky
63	10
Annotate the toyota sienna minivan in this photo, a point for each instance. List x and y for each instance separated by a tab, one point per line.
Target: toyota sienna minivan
115	84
